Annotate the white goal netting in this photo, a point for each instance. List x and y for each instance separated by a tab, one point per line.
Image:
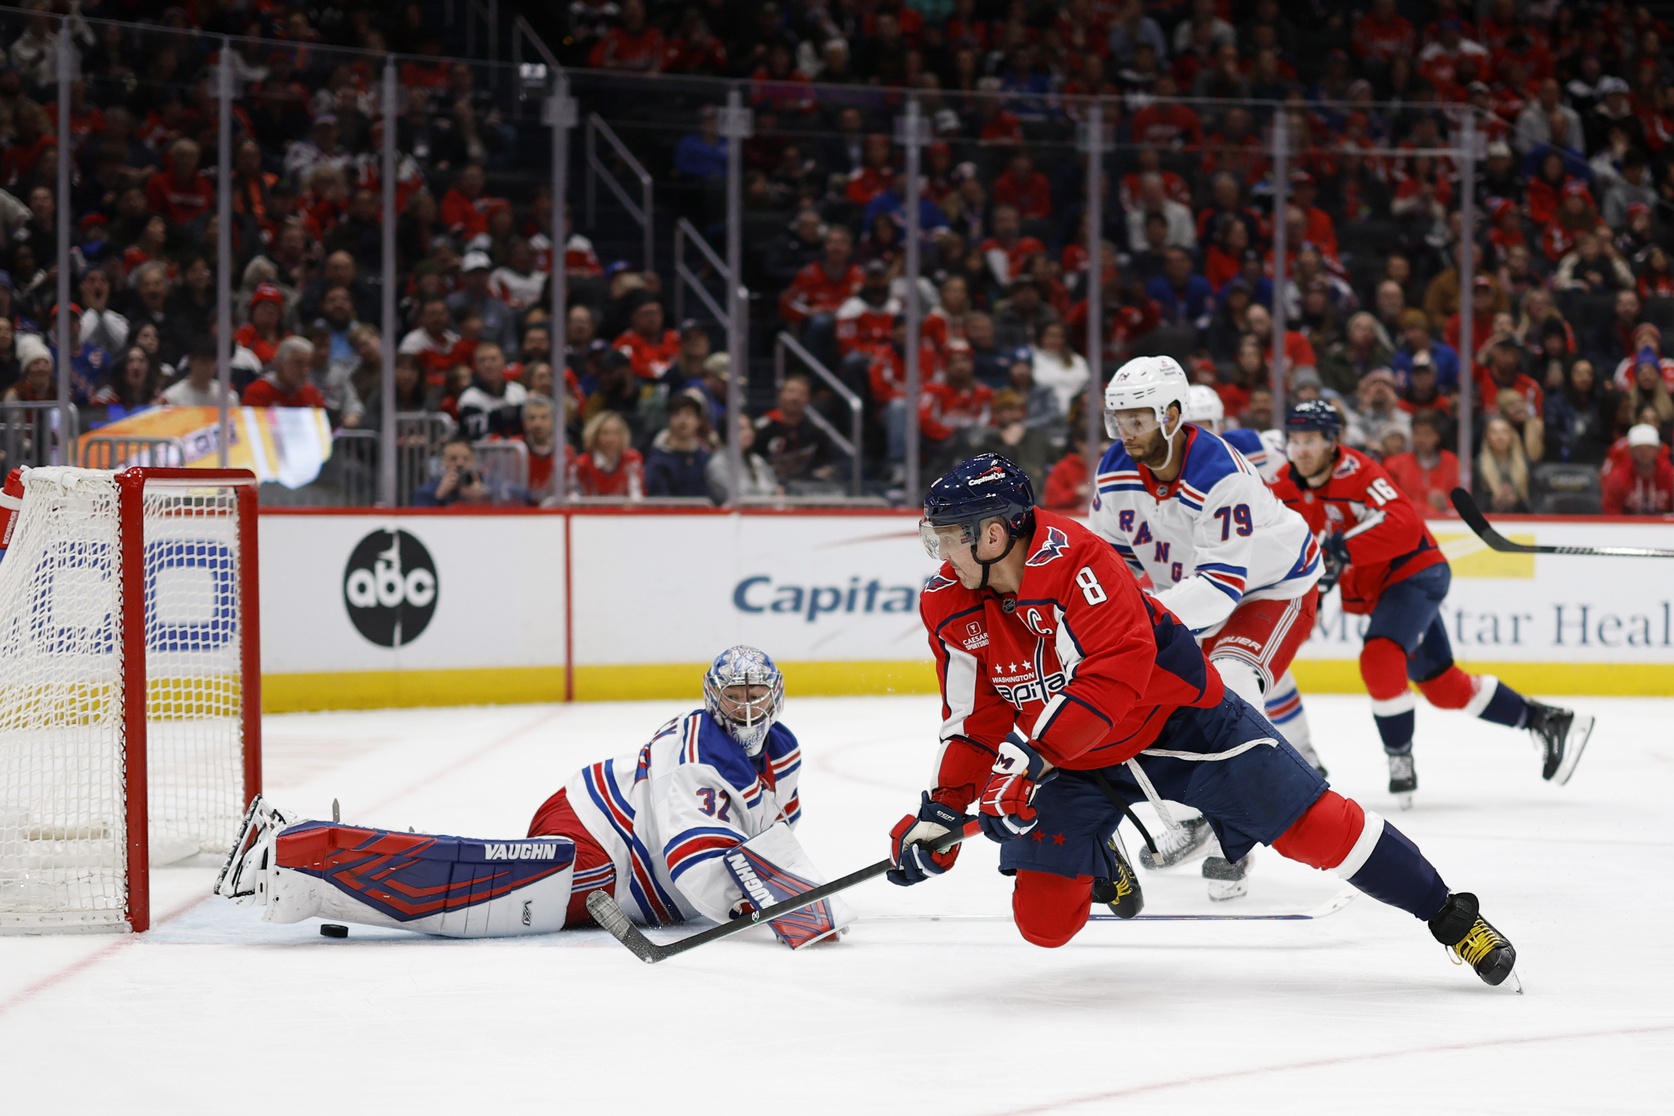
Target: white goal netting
64	784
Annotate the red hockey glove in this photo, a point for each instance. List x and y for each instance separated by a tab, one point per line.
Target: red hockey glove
1007	802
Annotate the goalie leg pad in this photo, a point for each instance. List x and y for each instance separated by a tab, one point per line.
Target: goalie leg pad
452	886
1049	909
770	868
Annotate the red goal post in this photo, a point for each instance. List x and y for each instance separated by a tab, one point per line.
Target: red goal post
130	687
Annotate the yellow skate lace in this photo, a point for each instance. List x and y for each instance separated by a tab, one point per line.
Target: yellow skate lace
1477	943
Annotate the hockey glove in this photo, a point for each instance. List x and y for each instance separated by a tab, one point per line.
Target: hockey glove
1333	552
1007	809
910	840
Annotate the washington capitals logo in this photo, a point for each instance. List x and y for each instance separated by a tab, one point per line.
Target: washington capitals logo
1055	546
937	581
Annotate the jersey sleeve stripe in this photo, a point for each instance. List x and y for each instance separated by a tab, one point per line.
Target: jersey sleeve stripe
652	899
1233	590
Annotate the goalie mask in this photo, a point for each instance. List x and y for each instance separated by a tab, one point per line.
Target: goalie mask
745	693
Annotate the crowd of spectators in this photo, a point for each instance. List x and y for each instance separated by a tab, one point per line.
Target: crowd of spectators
1569	369
1573	107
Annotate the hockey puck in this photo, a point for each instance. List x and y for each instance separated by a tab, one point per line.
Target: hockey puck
333	930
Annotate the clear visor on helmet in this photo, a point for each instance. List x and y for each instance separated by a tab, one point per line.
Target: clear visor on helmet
1135	422
942	540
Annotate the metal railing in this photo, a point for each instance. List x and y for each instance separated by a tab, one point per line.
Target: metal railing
685	232
850	445
29	435
504	464
640	211
102	451
418	440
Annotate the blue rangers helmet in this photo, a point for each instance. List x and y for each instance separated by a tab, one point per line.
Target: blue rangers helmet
746	717
984	487
1314	414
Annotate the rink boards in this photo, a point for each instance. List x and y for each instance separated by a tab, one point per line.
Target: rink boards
364	610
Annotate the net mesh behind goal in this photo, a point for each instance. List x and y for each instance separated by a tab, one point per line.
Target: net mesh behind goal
66	697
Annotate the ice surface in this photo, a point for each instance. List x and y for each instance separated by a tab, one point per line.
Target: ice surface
935	1004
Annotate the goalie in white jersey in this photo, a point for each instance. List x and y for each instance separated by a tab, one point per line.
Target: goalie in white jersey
1193	516
698	823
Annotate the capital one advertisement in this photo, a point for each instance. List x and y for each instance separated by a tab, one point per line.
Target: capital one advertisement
833	589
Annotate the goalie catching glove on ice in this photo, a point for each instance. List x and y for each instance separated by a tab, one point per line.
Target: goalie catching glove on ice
699	823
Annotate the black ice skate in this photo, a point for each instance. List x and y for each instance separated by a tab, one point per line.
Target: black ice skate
1562	735
1471	939
1121	893
1227	878
1403	778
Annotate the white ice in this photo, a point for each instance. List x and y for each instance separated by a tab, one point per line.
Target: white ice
933	1003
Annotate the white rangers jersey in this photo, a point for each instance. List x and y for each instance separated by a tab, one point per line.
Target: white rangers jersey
668	814
1214	537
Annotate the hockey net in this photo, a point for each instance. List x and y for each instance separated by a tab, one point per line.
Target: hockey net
129	687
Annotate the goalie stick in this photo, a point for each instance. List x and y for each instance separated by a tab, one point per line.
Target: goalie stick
615	921
1476	521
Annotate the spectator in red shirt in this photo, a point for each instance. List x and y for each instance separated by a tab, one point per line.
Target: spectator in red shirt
1504	373
1165	122
1383	35
821	287
875	174
1024	188
180	194
607	465
1319	229
1647	486
1008	250
437	347
465	208
650	348
287	385
1427	472
947	409
264	332
632	45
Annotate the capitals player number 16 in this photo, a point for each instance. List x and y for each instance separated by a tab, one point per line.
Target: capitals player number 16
1090	587
1381	491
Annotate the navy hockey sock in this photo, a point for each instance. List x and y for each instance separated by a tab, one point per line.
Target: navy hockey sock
1395	728
1506	707
1398	874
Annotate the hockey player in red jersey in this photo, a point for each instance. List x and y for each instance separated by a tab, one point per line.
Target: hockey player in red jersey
1067	692
1382	557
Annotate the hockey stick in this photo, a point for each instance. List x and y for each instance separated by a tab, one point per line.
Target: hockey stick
610	915
1474	519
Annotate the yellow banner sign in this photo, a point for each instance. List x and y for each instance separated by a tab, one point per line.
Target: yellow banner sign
284	444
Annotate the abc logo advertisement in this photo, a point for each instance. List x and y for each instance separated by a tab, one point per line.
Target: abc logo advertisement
390	588
346	594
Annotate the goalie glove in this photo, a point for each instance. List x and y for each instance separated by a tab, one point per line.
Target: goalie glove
910	841
1007	803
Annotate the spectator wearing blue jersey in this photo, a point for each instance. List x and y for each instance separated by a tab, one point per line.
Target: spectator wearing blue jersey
1183	297
1416	339
680	452
701	156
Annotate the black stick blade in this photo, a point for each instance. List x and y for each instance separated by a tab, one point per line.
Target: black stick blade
610	915
1476	521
